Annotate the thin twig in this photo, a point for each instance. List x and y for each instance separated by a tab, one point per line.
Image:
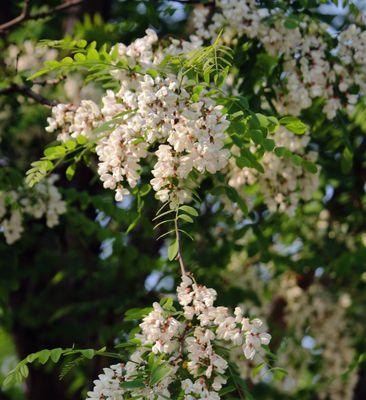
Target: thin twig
26	16
19	19
28	92
50	82
181	343
179	254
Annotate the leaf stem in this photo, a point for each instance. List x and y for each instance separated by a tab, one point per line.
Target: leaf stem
179	241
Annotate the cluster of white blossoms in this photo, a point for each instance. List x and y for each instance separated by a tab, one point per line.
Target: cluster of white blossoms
159	119
314	328
44	200
325	321
307	49
189	134
187	343
283	183
28	56
74	121
166	125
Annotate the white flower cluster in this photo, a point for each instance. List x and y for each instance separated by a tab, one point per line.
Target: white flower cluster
158	117
28	56
187	343
308	70
44	200
197	301
107	386
283	183
74	121
325	320
313	322
190	135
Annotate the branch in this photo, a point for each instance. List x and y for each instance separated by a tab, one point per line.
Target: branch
181	343
27	92
26	16
19	19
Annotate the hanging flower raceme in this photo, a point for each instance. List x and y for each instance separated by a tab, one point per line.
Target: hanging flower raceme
315	63
161	121
160	118
183	352
283	184
44	200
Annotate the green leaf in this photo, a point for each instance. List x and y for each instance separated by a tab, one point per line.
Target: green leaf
189	210
279	373
88	353
233	195
52	63
137	383
70	144
262	120
81	43
268	144
310	167
173	250
291	23
9	380
39	73
81	139
56	354
296	159
138	140
23	368
294	125
31	357
55	152
242	162
152	72
252	160
346	160
282	152
166	303
133	224
159	373
43	356
257	369
265	64
256	135
92	54
70	171
67	61
137	313
227	389
273	124
79	57
185	218
42	165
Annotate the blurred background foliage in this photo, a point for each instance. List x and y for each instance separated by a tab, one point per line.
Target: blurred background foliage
72	284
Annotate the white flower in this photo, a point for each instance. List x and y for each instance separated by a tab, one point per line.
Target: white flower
187	386
255	337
